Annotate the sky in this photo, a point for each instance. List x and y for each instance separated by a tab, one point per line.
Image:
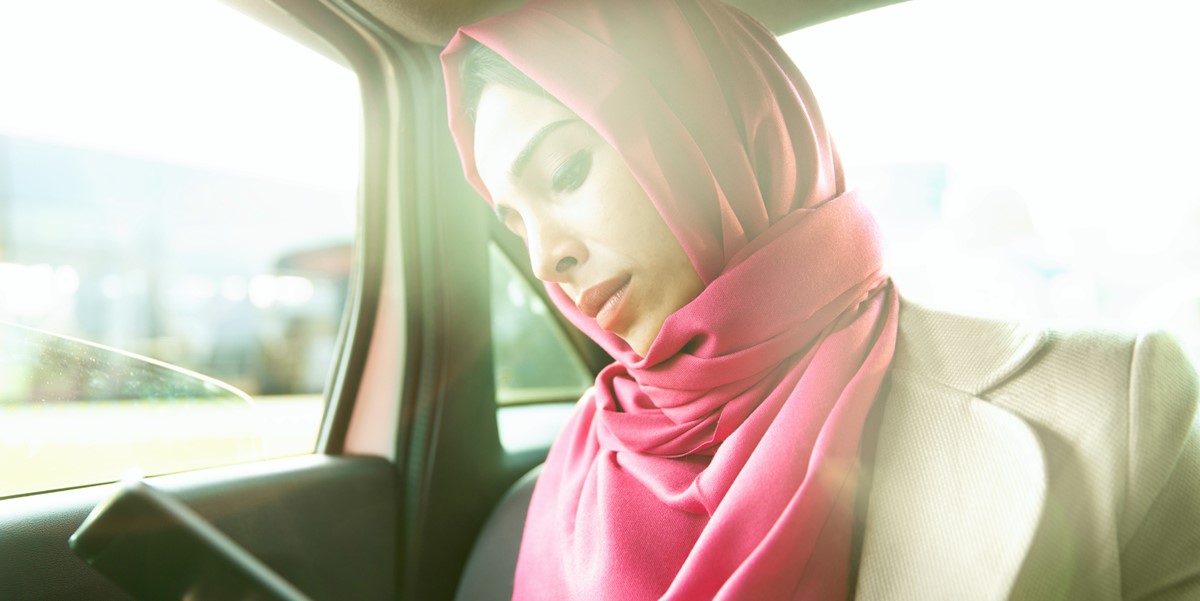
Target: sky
1083	107
210	87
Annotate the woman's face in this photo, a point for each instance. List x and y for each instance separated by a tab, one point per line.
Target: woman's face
588	225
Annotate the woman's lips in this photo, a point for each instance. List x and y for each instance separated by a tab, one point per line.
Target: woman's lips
603	301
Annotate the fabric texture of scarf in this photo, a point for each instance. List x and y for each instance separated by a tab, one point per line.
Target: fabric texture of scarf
724	463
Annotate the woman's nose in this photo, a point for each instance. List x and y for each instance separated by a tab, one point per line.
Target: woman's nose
553	251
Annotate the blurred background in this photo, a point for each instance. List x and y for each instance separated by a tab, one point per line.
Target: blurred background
185	191
180	182
1027	160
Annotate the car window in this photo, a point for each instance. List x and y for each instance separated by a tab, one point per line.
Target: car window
178	182
1028	160
534	360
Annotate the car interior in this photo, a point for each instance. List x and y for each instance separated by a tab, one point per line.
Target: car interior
425	450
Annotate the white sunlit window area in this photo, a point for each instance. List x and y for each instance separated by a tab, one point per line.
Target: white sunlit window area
1027	160
177	182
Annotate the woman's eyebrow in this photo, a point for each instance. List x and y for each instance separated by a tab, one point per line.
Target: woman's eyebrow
523	157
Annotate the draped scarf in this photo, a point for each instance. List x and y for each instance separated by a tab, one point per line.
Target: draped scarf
724	463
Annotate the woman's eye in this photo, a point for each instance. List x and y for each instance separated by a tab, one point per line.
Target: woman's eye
572	173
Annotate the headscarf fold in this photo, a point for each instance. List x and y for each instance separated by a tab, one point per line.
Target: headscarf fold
723	464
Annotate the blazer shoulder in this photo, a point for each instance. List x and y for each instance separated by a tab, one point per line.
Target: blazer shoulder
971	354
1160	523
976	354
1163	398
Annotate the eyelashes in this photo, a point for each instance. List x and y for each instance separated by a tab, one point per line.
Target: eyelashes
573	172
569	176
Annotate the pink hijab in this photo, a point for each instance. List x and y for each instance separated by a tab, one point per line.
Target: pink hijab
723	464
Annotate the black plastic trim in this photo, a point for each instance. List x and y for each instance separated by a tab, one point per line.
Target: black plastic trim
324	523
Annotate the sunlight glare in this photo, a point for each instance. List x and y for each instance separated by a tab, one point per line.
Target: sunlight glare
203	76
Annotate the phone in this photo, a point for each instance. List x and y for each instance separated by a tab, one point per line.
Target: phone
158	549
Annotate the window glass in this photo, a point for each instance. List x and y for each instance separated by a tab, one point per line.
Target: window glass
179	182
1027	159
76	412
534	360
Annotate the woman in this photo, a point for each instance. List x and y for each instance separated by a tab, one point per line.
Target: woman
670	173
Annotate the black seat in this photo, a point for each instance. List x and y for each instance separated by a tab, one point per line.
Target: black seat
489	571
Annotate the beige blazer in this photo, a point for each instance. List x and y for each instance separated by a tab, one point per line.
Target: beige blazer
1018	463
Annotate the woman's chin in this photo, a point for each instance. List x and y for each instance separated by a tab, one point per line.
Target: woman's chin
639	339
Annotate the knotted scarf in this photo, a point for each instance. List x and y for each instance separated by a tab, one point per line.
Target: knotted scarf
723	464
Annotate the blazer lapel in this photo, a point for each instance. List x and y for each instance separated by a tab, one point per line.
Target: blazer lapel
958	483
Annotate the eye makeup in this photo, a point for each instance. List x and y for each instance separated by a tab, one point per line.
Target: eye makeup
572	173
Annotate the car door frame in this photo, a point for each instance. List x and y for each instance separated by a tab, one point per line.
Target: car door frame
382	508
